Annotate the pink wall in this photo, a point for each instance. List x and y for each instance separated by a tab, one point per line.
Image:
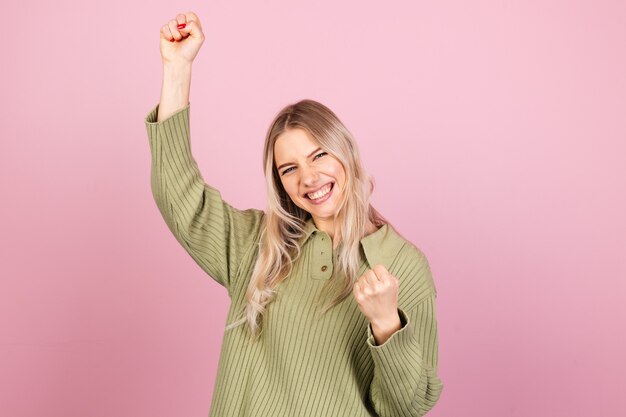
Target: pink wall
495	131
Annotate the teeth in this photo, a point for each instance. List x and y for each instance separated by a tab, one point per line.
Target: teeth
320	193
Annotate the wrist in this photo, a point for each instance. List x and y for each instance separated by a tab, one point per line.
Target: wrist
383	329
177	67
387	327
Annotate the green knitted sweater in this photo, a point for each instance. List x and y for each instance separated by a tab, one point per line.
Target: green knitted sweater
303	365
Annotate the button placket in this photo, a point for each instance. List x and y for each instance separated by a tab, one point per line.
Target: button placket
323	257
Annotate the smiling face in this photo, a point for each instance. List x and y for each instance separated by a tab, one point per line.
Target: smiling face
312	178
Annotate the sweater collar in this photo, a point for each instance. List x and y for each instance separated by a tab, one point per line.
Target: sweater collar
380	247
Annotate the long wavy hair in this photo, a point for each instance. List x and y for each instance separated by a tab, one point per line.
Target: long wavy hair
283	223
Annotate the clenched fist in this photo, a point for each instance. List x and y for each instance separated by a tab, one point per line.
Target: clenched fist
181	38
376	293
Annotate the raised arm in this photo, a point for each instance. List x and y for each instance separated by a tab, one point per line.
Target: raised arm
215	234
180	42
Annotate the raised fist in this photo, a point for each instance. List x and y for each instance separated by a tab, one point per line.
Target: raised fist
181	38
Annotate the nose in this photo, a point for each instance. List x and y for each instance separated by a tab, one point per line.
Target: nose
310	176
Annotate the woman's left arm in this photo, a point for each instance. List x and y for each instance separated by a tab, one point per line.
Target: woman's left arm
405	382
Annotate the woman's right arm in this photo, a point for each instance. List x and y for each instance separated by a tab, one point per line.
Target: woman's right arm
174	89
214	233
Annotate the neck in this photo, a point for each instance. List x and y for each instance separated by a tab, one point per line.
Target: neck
328	227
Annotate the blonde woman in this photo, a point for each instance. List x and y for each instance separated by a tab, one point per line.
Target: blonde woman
332	311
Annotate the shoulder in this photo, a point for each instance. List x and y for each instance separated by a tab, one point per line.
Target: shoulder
412	268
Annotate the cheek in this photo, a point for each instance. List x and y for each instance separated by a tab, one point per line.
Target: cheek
290	188
337	171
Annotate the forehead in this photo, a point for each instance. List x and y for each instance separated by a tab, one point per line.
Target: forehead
293	143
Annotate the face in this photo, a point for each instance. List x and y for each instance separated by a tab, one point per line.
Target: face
307	172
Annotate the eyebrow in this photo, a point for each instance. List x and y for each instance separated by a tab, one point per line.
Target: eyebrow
291	163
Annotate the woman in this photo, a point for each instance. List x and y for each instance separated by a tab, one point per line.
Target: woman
332	311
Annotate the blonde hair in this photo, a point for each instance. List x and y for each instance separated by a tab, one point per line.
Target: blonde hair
283	223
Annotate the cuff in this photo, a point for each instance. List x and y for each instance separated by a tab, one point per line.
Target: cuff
151	117
173	130
398	340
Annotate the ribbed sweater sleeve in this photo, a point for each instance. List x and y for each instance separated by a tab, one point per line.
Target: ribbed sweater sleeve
405	381
214	233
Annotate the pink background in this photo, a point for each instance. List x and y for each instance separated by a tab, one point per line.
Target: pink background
495	131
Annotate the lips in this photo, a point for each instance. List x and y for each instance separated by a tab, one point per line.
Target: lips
306	195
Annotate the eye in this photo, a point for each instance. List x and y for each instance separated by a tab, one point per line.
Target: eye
290	168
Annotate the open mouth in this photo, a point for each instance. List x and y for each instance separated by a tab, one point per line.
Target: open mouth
322	196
